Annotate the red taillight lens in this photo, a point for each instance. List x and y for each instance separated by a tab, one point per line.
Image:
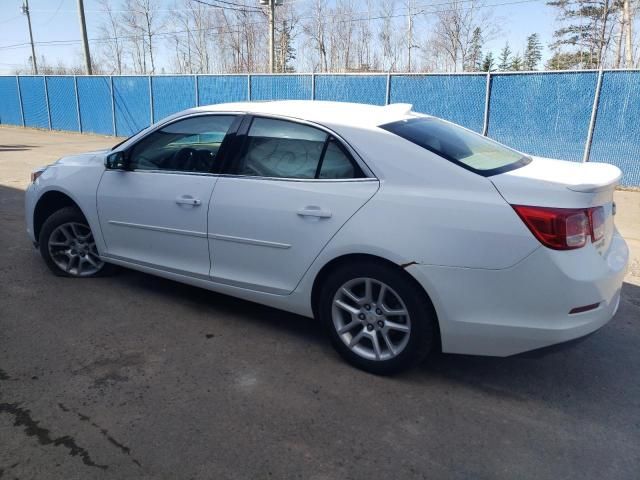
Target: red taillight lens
597	219
557	228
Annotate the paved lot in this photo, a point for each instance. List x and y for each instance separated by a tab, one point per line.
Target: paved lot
139	377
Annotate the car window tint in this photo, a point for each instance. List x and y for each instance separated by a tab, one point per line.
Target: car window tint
283	149
336	163
188	145
459	145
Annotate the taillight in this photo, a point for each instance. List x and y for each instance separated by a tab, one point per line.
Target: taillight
563	228
597	219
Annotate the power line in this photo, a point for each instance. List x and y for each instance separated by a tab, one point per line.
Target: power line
244	24
242	8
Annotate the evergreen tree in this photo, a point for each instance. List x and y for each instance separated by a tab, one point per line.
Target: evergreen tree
586	29
473	62
488	64
517	64
505	58
533	52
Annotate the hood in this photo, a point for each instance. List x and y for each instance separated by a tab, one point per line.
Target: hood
88	158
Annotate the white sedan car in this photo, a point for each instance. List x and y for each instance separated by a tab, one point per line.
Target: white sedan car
400	232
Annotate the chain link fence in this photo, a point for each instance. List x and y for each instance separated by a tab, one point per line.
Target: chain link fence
577	116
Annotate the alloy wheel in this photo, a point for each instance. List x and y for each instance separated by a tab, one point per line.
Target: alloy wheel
371	319
73	249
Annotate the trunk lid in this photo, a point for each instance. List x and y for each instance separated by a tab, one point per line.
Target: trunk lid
561	184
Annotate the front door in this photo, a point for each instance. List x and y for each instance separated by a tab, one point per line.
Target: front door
154	212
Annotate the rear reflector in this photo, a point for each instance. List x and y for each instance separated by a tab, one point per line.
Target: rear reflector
584	308
563	228
597	218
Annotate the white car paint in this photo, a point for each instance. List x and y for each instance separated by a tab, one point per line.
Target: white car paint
495	288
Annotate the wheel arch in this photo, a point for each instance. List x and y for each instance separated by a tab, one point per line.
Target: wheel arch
336	262
49	203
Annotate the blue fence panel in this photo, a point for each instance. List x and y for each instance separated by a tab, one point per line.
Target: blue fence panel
457	98
616	138
62	102
96	113
214	89
34	102
281	87
172	94
545	114
131	99
352	88
9	102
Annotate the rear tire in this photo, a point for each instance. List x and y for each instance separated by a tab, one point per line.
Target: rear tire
377	317
68	248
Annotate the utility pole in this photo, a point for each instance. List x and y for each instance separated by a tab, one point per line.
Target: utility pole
25	10
272	4
85	42
272	35
626	16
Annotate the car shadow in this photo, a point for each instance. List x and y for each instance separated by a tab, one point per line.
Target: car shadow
222	305
16	148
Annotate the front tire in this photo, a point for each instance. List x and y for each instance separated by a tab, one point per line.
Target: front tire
378	318
68	247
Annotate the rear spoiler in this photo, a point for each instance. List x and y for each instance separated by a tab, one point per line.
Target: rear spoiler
606	184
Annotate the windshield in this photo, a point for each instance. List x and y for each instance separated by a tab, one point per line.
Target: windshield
126	139
458	145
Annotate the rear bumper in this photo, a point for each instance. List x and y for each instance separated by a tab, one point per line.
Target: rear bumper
525	307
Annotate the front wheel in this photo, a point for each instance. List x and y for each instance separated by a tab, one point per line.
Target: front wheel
68	247
378	319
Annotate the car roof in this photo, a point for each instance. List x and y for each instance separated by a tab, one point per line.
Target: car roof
322	112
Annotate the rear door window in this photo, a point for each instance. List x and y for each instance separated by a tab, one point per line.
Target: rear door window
284	149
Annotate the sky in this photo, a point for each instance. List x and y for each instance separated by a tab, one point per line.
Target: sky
58	20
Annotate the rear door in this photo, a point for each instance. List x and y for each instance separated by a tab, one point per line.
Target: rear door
289	189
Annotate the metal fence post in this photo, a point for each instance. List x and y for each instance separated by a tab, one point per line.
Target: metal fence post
20	101
151	100
249	87
592	120
113	106
75	86
197	89
387	98
313	85
487	98
46	99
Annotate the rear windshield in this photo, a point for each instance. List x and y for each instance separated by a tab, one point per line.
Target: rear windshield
458	145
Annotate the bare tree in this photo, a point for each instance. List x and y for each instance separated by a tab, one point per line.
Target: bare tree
316	30
112	43
454	29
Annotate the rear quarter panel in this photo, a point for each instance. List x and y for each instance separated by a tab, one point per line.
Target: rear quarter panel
429	211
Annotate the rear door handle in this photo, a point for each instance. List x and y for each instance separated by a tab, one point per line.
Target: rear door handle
187	200
314	211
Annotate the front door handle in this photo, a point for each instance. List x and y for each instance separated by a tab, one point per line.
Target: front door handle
314	211
188	200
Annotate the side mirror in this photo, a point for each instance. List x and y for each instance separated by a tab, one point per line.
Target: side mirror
115	161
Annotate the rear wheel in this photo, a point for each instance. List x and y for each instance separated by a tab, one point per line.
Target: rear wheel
68	247
378	319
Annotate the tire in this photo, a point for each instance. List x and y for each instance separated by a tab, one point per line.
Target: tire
406	348
66	237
